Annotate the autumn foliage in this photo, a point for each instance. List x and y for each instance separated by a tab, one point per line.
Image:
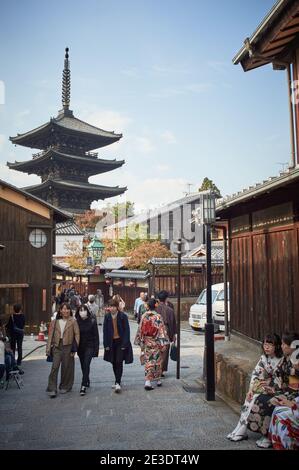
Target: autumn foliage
139	256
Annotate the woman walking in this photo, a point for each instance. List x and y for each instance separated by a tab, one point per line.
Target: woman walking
63	341
152	338
117	345
89	343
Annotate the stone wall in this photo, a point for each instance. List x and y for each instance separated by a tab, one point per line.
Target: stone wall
234	363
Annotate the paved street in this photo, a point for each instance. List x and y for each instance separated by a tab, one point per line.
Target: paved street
176	416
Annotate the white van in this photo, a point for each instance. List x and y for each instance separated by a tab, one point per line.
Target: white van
198	311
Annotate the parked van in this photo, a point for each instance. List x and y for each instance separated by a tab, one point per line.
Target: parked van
198	311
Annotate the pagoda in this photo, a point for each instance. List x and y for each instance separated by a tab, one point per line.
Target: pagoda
66	162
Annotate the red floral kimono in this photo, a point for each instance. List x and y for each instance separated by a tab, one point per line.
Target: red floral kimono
152	338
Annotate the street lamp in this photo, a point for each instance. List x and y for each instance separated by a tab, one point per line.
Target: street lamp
206	215
178	341
95	250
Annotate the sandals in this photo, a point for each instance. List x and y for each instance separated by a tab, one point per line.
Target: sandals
238	437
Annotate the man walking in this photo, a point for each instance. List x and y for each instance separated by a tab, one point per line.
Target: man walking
168	316
138	302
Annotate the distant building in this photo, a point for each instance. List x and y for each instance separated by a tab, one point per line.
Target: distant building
67	233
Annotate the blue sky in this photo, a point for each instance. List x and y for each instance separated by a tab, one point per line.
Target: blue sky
159	72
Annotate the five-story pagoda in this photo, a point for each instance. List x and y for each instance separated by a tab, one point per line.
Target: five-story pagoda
65	162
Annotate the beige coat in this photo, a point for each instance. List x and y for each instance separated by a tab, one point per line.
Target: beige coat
71	331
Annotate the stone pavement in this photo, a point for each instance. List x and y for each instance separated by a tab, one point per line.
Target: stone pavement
175	416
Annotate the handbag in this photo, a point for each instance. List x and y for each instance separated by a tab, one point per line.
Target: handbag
173	352
50	357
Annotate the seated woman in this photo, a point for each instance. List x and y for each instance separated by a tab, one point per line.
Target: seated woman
286	383
284	426
152	338
261	378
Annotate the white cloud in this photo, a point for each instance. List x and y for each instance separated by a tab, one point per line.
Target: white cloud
194	88
144	192
106	119
17	178
169	137
162	167
131	72
143	144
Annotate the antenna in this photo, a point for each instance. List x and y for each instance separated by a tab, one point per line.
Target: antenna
189	186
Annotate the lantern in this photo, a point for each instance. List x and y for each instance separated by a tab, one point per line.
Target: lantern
95	250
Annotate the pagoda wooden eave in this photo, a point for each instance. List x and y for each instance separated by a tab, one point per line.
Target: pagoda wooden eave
273	38
68	185
92	164
63	125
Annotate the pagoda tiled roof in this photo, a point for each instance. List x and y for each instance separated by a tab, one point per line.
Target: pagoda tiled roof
66	123
98	164
107	191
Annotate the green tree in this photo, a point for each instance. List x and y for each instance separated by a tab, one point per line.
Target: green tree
123	210
208	184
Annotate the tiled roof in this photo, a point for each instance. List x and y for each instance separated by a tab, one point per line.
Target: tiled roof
113	190
216	253
68	229
113	263
133	274
194	262
270	184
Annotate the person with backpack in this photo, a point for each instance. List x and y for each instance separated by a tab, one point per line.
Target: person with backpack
117	345
152	338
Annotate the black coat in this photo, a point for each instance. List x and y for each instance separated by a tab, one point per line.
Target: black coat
89	335
124	333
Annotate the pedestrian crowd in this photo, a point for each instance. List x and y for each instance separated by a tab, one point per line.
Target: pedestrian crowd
75	331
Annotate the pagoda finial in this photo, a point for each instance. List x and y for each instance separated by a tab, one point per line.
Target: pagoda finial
66	81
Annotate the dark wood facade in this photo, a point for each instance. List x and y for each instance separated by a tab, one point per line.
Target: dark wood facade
25	271
264	261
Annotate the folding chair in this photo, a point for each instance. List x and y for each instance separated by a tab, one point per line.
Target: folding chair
14	375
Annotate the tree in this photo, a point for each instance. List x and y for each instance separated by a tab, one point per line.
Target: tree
76	257
89	219
123	210
208	184
139	256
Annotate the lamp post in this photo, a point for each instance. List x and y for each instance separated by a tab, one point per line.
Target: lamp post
95	250
208	217
178	341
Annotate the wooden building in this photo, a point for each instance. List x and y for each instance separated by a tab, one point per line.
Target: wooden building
128	284
263	220
65	162
27	231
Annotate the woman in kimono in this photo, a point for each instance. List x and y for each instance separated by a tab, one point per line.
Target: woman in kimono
261	378
284	426
152	338
285	384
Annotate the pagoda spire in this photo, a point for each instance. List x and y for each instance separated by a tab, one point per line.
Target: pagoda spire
66	82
